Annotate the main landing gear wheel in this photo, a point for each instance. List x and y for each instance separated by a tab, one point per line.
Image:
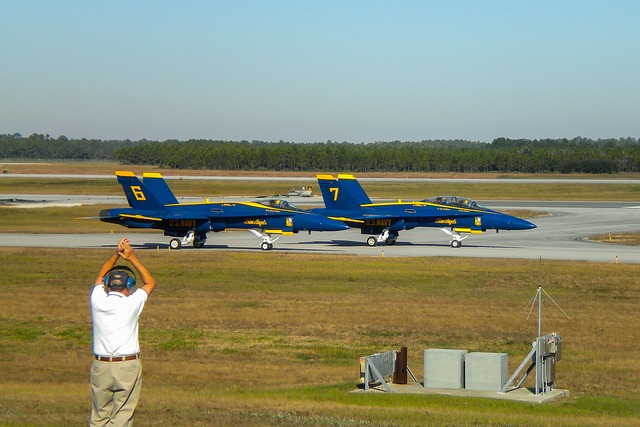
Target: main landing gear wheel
390	242
267	241
372	241
456	243
175	244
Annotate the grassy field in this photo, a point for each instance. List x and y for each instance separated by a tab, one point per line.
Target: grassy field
393	190
272	339
106	167
400	189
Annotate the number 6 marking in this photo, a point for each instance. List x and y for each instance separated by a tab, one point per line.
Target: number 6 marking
137	193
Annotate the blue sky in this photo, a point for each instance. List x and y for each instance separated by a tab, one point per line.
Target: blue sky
308	71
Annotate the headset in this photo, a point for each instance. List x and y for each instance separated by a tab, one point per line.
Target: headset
122	274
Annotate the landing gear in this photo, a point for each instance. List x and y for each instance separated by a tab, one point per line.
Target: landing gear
456	238
267	240
175	244
190	237
199	242
388	237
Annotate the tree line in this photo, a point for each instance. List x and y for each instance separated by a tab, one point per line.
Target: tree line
501	155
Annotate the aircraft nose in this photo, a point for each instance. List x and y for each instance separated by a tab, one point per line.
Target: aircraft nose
507	222
522	224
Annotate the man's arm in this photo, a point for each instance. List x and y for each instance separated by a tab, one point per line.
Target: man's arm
126	252
108	265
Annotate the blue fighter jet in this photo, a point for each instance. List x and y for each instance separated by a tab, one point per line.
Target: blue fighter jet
154	206
346	200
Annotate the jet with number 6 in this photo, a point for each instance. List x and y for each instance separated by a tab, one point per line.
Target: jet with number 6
154	206
345	200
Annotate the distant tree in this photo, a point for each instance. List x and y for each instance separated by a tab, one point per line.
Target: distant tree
502	155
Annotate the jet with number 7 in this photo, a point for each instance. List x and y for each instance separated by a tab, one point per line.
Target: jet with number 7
154	206
345	200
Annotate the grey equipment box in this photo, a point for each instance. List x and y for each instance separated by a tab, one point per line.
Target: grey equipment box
486	371
444	368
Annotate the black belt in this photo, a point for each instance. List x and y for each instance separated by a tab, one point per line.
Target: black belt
118	358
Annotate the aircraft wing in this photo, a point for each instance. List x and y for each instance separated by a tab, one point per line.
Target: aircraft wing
359	217
346	219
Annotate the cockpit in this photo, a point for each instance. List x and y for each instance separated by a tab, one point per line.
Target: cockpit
279	204
455	201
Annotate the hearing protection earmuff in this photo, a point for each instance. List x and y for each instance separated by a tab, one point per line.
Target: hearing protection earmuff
119	276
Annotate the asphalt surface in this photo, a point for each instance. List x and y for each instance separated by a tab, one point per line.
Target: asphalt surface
561	235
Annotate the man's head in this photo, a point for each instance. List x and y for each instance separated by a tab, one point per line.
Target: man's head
119	278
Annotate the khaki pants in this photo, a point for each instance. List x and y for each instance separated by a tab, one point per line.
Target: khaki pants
115	387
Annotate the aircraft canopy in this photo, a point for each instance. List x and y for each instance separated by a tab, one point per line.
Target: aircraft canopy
279	204
456	201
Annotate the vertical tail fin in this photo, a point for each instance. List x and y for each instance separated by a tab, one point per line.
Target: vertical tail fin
351	185
138	195
342	193
158	186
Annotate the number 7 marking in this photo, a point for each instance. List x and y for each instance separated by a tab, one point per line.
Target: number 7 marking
334	190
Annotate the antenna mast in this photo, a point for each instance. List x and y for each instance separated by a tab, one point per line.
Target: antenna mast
545	351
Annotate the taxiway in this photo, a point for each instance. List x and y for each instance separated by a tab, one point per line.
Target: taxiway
562	234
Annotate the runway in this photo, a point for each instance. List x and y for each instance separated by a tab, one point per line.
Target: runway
561	235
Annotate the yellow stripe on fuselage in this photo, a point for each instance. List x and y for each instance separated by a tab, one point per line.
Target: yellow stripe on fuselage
344	219
250	204
421	204
148	218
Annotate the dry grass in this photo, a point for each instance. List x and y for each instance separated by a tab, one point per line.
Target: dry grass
405	190
618	238
56	219
95	168
389	190
273	338
110	187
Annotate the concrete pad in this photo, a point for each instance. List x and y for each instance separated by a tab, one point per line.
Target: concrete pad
518	395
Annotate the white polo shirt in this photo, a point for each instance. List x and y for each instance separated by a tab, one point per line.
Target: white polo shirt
115	321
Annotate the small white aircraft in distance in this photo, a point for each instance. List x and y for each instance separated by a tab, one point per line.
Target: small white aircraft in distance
303	192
